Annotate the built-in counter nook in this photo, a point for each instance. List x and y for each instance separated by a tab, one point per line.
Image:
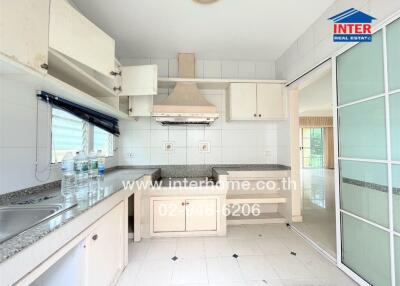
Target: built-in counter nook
203	200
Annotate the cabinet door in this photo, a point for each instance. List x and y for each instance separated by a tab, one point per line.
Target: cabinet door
168	215
270	101
242	101
139	80
140	105
24	31
75	36
201	214
105	248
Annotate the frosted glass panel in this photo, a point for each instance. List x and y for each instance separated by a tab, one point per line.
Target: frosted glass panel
360	71
393	54
364	190
397	258
394	103
362	131
396	197
365	250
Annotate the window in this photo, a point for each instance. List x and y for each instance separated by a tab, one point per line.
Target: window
102	140
313	148
69	134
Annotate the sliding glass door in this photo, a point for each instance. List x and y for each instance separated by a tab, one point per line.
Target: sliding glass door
368	157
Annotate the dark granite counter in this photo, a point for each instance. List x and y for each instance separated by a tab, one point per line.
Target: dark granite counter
50	194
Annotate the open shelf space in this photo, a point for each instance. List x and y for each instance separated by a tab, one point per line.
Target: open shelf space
205	83
12	70
255	199
259	219
62	67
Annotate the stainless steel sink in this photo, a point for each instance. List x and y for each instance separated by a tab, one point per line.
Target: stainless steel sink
18	218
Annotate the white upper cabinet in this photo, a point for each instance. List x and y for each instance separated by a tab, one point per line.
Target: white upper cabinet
242	101
256	101
24	31
138	80
271	101
69	32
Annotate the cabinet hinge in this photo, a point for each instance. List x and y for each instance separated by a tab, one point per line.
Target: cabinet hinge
114	73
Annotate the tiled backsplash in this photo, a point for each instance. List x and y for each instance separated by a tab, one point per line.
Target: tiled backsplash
143	140
211	68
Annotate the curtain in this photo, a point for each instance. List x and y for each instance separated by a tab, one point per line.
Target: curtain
328	148
316	121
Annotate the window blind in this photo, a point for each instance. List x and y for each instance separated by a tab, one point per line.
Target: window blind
69	134
105	122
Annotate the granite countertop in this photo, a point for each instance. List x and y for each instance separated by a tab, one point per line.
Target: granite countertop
111	185
264	167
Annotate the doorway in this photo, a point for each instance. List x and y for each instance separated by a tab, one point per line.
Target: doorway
316	162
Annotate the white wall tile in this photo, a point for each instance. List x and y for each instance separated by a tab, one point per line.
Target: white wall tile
214	156
178	156
212	69
194	156
139	138
162	64
229	69
158	137
199	69
173	67
247	70
194	136
213	136
265	70
134	61
158	156
178	137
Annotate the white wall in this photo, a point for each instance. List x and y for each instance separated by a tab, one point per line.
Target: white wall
316	42
211	68
18	117
316	98
237	142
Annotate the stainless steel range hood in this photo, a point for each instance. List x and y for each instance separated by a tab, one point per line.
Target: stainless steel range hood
185	105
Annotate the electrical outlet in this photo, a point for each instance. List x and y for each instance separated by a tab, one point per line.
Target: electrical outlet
204	147
168	147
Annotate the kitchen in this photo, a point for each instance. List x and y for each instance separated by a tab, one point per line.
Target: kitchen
130	158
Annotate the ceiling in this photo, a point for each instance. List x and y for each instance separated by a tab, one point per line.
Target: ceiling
227	29
316	98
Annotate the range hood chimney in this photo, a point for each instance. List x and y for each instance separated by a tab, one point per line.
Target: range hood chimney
185	105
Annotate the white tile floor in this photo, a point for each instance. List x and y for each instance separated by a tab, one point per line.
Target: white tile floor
264	259
319	219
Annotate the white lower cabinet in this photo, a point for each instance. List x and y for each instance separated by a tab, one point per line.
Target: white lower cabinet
183	215
169	215
105	248
201	214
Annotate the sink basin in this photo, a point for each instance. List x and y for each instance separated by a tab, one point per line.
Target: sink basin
16	219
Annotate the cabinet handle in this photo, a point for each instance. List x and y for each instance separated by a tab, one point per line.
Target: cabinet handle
95	237
44	66
117	88
114	73
259	115
183	203
255	115
187	203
